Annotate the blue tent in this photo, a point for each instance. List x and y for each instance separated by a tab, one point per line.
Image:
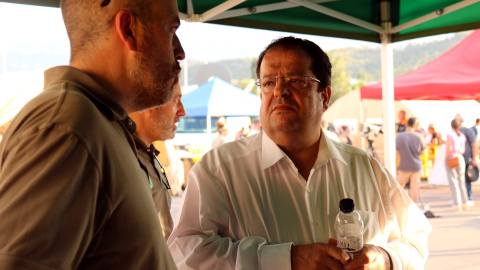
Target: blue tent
219	98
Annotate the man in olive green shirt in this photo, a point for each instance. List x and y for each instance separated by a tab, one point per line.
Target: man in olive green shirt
158	124
72	192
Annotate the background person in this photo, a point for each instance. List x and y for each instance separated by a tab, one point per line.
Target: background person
328	133
456	176
158	124
72	193
240	134
433	137
269	201
255	127
222	133
346	135
410	146
476	129
469	154
419	129
401	125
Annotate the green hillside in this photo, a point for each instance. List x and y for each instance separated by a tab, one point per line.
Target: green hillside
352	67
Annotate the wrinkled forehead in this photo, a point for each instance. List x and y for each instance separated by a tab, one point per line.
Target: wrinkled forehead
291	60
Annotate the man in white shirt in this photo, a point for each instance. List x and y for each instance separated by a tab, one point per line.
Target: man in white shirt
269	201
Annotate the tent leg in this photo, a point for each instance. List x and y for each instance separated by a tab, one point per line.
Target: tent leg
362	124
388	105
209	125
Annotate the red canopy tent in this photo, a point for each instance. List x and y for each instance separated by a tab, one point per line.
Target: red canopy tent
454	75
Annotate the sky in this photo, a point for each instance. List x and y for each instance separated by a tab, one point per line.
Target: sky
41	30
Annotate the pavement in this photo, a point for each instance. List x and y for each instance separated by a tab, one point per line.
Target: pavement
455	239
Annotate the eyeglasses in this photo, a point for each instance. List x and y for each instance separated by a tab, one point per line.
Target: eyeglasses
299	82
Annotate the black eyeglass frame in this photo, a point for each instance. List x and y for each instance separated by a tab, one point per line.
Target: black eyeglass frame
164	172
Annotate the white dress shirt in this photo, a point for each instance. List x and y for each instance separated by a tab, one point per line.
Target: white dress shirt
246	204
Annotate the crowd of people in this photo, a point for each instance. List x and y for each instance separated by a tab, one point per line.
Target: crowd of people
461	146
81	186
413	142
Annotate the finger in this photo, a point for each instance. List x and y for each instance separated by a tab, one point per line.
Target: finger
358	262
338	254
369	256
331	263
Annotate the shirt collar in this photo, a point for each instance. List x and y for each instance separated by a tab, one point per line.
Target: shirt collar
143	146
100	97
271	152
326	151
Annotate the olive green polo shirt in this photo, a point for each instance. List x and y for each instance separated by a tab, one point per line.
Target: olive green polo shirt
159	183
72	193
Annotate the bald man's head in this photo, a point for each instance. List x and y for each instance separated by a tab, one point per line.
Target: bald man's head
88	21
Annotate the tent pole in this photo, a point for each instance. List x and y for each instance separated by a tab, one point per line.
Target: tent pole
388	105
362	124
185	73
209	125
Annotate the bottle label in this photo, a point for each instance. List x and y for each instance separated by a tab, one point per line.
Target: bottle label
350	243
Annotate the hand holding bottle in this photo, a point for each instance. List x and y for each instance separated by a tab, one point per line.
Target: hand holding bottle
318	256
373	257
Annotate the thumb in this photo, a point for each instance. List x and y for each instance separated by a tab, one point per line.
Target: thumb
332	241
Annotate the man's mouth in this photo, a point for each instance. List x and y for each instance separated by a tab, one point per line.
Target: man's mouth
282	107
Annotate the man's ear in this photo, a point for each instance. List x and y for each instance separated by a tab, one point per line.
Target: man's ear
326	94
125	26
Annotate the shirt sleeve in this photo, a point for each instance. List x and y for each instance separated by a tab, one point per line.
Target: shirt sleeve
48	197
203	238
408	226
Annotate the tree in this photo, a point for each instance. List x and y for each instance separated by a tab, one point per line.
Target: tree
340	78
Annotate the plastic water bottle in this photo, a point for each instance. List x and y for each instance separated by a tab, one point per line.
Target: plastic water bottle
349	229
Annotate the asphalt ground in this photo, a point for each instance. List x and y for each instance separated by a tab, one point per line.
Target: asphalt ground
455	239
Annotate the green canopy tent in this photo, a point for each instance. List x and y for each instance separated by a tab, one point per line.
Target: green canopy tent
382	21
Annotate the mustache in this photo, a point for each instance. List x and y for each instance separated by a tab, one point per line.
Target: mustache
177	68
176	73
284	102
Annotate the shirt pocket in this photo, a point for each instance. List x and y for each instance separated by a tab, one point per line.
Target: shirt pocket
371	229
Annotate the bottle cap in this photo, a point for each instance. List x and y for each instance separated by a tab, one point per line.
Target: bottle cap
347	205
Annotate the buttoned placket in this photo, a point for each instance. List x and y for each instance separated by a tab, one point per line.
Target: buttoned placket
309	200
159	169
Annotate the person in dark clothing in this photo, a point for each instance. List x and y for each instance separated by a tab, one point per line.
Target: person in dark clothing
470	154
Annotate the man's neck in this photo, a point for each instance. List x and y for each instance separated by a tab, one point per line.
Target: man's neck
110	72
304	157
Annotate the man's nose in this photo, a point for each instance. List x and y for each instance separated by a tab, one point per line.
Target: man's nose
178	49
182	112
281	87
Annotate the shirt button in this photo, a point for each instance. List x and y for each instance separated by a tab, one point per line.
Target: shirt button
309	190
315	224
